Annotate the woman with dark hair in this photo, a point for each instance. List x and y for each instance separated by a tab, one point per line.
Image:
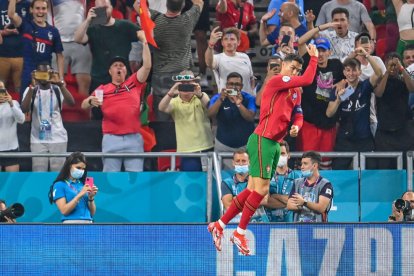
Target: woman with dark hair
74	199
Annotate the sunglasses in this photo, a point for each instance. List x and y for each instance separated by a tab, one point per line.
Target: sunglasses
183	77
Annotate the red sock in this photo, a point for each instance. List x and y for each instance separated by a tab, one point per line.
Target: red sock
252	203
236	206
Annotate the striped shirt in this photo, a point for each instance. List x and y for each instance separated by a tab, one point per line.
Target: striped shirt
173	36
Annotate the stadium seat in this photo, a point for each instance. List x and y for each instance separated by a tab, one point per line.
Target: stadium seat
164	163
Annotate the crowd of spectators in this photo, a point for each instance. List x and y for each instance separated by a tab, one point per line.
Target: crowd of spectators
359	100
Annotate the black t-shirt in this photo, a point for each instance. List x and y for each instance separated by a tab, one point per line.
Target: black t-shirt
392	108
315	98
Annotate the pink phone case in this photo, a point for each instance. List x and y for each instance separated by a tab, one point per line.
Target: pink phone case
89	181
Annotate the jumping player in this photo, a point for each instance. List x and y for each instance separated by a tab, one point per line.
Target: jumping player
280	106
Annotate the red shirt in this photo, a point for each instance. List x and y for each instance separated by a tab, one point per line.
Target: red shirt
232	16
282	97
121	107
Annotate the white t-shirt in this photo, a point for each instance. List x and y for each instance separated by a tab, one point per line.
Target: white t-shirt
366	72
240	63
9	117
59	134
66	16
158	5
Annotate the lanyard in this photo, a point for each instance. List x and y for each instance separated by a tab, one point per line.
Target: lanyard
51	104
71	186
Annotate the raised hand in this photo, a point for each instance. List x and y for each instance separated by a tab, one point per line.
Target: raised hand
215	35
268	15
141	36
91	14
312	51
310	17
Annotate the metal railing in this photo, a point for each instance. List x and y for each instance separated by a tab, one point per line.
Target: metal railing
214	164
398	155
410	155
172	155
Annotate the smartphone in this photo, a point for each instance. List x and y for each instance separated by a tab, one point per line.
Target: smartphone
43	76
3	91
186	87
364	40
101	16
89	181
348	92
285	40
232	92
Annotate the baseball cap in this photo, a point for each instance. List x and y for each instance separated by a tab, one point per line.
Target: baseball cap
120	59
322	42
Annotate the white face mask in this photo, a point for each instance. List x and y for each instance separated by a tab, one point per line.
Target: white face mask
282	161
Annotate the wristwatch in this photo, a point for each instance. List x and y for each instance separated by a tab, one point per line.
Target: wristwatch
305	203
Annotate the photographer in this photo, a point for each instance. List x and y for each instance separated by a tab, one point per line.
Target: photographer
234	111
43	99
3	207
403	212
187	105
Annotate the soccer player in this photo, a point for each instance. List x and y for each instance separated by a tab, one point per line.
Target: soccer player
280	102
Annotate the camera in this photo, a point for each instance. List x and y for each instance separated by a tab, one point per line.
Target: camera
186	87
42	75
3	91
232	92
14	211
405	207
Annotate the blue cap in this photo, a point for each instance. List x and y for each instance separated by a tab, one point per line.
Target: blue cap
322	42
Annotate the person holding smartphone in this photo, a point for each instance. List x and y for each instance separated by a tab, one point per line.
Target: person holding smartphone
11	115
187	105
74	198
234	110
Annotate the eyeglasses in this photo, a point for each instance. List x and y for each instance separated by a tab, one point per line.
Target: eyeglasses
234	84
182	77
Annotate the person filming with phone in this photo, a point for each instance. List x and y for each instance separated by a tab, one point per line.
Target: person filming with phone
352	103
234	111
73	191
43	99
187	105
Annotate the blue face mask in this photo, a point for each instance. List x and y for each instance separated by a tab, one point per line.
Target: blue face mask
76	173
241	169
307	173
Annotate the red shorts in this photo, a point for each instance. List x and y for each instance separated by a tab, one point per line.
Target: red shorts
311	137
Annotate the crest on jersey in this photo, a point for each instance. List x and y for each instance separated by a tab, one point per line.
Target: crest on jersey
286	78
50	36
268	169
24	12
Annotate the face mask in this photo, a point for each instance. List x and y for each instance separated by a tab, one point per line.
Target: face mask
241	169
76	173
282	161
307	173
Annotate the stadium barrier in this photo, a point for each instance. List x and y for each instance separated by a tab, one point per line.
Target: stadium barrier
187	249
360	195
